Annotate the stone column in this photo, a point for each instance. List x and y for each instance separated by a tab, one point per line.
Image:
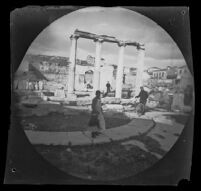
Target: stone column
119	77
140	69
72	59
96	78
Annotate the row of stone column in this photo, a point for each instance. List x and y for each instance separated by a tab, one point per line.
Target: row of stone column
96	80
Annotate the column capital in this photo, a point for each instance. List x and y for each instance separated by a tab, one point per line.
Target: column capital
74	36
122	43
99	40
140	46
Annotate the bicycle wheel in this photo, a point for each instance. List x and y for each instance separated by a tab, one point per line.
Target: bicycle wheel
140	109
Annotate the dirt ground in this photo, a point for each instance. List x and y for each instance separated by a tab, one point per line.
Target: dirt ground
55	121
101	162
108	161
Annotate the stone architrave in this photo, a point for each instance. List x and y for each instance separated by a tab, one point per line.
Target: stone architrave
119	78
96	79
140	69
71	77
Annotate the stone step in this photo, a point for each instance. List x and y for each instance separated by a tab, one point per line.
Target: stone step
134	128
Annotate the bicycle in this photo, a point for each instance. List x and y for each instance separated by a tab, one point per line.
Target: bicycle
139	107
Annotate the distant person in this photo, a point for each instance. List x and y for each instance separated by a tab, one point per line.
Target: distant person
89	86
97	118
143	95
108	87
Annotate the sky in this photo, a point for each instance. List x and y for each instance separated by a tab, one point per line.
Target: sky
161	51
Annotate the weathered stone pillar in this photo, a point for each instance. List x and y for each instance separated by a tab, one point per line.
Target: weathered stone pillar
96	78
71	72
119	77
140	69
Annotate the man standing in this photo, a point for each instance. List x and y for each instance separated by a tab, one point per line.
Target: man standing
143	95
97	115
108	87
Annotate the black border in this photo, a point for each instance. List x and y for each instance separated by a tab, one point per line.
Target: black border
23	44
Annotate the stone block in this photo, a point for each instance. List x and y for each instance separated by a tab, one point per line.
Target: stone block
128	108
56	99
60	93
84	102
101	139
78	138
71	96
152	104
73	103
31	102
45	98
116	107
48	93
111	100
127	101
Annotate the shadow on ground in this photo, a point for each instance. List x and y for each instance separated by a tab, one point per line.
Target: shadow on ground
180	118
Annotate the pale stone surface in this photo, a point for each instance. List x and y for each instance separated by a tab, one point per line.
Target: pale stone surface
78	138
115	135
76	108
128	108
127	101
45	98
71	96
164	133
111	100
47	138
84	102
102	139
56	99
152	104
116	107
60	93
168	132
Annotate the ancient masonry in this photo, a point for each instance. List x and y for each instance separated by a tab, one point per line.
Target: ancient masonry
99	39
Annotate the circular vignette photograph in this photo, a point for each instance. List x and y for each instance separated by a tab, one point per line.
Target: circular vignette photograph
103	93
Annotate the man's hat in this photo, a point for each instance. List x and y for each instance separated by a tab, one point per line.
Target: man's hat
98	92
